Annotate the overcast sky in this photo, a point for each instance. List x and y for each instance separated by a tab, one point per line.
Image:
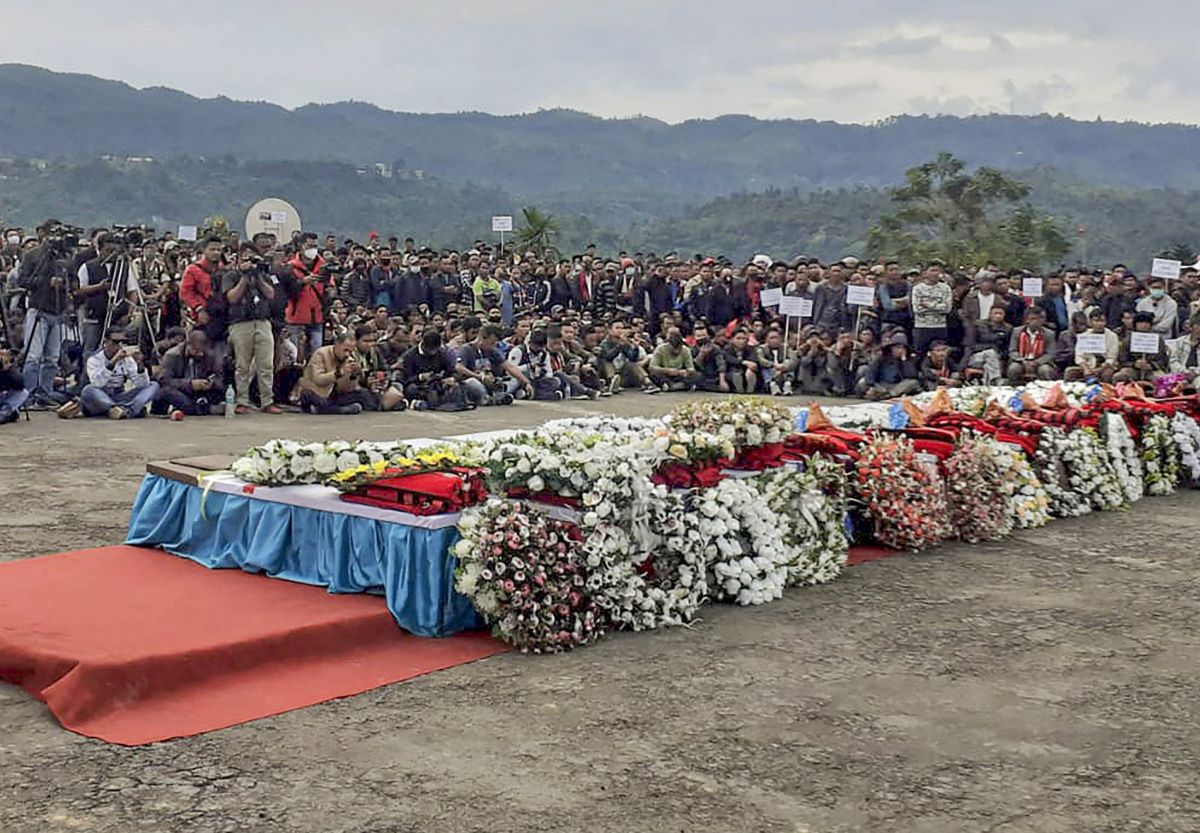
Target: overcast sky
671	59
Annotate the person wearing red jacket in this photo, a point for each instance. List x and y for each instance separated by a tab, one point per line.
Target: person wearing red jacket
196	287
306	307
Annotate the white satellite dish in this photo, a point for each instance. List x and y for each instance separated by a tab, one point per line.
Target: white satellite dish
274	216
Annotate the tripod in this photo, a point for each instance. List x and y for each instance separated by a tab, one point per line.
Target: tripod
119	296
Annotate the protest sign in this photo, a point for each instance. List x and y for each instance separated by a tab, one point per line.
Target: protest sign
771	297
1143	342
1091	343
187	233
1031	287
1161	267
502	222
860	296
789	305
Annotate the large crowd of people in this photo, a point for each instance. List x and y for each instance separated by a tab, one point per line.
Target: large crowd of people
120	323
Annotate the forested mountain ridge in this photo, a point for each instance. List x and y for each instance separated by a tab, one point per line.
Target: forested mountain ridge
52	115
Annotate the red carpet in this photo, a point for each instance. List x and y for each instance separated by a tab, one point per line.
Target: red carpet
134	646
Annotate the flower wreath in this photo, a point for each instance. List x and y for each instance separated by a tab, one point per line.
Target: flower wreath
291	463
980	509
1160	455
524	573
1186	432
905	498
810	506
747	422
1123	454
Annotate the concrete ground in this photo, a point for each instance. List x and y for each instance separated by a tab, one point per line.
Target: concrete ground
1046	683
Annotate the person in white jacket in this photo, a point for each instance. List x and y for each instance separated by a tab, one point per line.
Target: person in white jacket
119	385
1184	352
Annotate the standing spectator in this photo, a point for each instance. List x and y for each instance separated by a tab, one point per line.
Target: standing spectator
830	310
894	297
306	306
249	290
932	300
197	286
43	275
382	277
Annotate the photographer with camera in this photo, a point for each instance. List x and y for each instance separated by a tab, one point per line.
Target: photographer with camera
192	381
44	277
120	386
107	287
248	291
12	389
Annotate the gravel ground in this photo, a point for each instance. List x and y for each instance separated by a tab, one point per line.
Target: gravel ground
1042	684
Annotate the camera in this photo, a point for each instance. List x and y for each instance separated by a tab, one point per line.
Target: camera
62	237
133	235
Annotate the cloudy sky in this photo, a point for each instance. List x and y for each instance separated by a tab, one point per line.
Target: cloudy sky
671	59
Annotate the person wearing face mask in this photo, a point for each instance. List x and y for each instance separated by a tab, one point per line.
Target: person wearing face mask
249	290
382	276
1162	306
306	305
355	285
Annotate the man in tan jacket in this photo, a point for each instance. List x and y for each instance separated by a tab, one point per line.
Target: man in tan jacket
330	384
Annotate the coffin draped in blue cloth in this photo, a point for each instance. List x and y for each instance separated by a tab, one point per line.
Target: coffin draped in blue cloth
412	567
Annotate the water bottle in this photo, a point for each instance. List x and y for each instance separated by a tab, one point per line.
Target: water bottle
230	402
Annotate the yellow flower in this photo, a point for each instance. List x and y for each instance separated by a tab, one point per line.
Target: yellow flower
678	450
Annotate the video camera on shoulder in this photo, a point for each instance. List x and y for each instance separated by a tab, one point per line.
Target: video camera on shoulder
62	237
133	236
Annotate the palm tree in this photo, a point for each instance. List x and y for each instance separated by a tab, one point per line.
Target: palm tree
539	230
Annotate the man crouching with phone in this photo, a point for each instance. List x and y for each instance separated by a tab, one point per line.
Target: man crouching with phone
119	386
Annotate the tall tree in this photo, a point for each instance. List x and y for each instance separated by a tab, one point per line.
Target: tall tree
944	211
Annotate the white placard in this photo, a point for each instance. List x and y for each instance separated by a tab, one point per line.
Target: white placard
806	307
279	217
1163	268
187	233
502	222
1143	342
860	296
771	297
1091	343
1031	287
790	305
